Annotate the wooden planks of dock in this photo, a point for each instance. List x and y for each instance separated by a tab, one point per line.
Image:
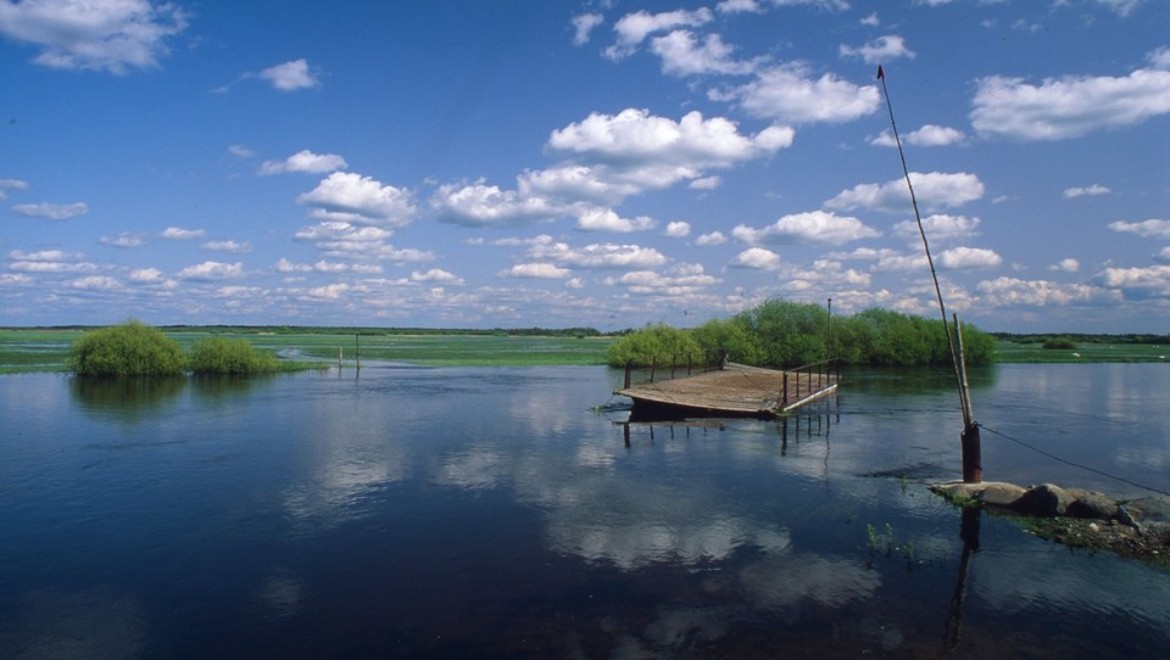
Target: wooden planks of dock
735	390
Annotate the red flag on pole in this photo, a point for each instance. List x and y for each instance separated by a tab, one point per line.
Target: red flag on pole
881	73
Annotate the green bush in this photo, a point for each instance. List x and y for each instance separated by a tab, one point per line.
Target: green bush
129	349
654	344
786	334
217	355
1060	343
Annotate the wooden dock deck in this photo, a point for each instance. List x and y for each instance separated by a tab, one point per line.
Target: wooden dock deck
736	390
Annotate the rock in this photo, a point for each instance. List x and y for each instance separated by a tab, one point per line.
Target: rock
1094	506
1001	494
1047	500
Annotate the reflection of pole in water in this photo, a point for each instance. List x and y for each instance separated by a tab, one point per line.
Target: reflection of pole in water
969	532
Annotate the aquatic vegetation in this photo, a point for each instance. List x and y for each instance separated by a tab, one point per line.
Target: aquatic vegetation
128	349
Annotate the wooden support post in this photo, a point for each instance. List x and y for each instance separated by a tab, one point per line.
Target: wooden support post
629	368
653	367
784	393
971	446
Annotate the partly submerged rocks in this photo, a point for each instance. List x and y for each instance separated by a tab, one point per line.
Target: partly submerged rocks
1075	516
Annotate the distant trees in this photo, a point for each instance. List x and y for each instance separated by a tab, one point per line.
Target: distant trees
136	349
780	333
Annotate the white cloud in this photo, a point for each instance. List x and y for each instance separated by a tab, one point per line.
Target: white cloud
787	93
96	283
738	7
934	190
1068	265
212	270
482	205
1163	255
240	151
882	49
1122	7
304	161
11	184
684	55
180	234
290	76
1011	292
583	25
435	275
930	135
632	29
635	138
712	238
49	211
1070	107
810	227
1152	228
1090	191
705	183
228	246
350	197
327	292
97	35
756	258
536	271
1160	58
967	257
599	255
609	220
678	229
683	280
123	240
146	276
1151	280
871	20
939	228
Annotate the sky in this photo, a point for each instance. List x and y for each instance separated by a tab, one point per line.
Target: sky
508	164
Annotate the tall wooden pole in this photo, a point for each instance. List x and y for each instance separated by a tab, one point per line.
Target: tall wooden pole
972	469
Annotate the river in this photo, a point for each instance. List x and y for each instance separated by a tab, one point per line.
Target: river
405	511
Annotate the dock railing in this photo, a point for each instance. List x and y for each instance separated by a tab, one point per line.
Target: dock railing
678	366
808	380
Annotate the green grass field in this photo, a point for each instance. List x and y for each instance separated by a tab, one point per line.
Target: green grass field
27	350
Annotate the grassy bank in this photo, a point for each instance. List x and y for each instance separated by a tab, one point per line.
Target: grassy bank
24	350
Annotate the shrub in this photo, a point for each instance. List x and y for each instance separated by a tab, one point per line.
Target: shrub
1059	343
659	344
129	349
217	355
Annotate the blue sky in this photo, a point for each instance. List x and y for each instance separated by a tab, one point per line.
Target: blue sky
604	164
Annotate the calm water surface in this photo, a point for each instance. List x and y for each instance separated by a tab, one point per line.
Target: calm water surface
496	512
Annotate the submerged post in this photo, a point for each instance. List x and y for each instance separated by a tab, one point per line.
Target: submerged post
971	444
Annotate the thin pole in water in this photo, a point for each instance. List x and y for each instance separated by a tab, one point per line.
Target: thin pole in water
970	429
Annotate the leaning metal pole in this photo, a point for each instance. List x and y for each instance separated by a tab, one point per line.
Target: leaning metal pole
972	468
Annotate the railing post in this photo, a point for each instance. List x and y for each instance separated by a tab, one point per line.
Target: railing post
673	362
653	367
629	368
784	396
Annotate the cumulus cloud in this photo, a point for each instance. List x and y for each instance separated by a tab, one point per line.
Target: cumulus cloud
304	161
930	135
583	25
345	240
1070	107
212	270
682	280
1089	191
238	247
353	198
96	283
482	205
180	234
123	240
683	54
632	29
882	49
1138	282
788	93
290	76
146	276
599	255
96	35
544	271
49	211
712	238
241	152
635	138
810	227
934	190
11	184
967	257
756	258
705	183
435	275
1152	228
678	229
609	220
939	228
1012	292
1068	265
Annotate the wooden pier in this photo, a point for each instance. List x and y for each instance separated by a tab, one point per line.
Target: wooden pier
735	390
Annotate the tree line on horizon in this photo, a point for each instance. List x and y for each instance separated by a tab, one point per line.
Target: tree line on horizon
785	334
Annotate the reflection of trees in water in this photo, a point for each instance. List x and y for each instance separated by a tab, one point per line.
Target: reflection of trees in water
130	396
215	388
889	381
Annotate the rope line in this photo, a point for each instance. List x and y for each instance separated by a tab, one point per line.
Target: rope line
1072	463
